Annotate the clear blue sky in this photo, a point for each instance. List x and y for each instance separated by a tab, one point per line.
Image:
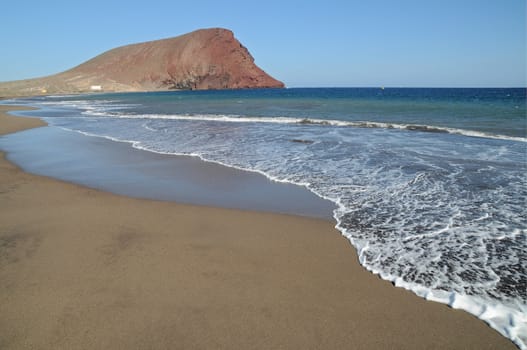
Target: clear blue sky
303	43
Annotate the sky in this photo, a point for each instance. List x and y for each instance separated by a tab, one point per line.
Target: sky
405	43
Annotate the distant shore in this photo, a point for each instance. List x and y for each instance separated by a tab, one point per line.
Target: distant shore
81	268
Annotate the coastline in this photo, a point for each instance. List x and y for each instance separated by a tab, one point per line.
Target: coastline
89	269
119	168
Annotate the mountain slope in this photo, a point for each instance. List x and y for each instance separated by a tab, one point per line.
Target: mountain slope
203	59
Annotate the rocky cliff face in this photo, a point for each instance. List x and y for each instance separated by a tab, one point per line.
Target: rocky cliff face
204	59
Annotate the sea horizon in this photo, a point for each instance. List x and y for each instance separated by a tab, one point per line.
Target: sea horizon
398	87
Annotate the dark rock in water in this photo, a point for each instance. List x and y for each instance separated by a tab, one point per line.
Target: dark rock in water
308	121
425	128
302	141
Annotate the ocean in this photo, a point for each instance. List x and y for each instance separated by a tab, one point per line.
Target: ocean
430	184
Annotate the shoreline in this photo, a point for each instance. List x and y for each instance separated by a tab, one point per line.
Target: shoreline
85	268
119	168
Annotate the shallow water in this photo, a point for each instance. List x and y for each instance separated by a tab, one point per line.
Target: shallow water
116	167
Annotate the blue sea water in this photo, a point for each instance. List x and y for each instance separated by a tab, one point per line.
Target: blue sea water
430	184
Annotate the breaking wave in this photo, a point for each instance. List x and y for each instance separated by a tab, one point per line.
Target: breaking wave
301	121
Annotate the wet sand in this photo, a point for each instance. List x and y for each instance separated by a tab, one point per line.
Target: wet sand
86	269
119	168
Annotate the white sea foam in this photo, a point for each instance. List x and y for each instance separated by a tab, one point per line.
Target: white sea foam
104	112
508	320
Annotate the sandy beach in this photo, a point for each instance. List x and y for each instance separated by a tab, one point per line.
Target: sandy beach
85	269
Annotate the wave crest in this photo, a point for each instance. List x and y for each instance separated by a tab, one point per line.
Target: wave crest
306	121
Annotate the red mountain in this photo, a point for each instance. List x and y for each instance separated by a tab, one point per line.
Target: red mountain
203	59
